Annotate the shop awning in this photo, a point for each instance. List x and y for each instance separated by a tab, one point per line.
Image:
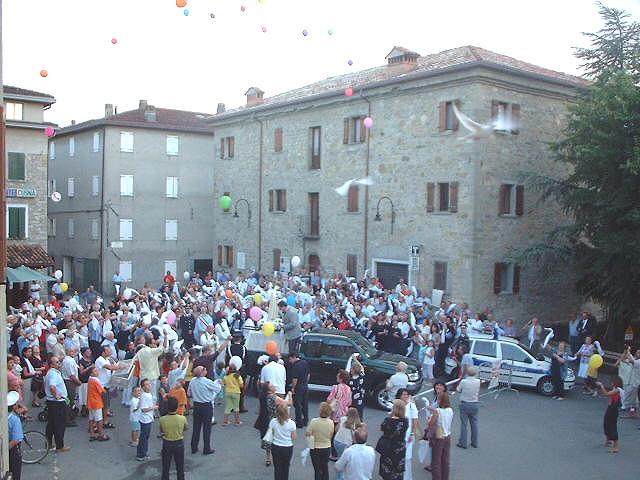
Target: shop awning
25	274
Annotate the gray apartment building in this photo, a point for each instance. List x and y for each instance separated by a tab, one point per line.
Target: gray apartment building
137	193
26	188
442	213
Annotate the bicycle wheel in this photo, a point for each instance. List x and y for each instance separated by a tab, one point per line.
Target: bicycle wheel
34	447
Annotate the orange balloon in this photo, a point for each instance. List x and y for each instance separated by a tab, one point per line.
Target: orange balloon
181	3
229	293
43	73
272	347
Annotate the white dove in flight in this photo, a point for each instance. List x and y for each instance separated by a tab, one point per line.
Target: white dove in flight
479	131
344	188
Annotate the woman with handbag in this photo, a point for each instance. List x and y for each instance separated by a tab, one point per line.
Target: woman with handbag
268	405
440	421
411	414
340	400
391	445
283	431
321	429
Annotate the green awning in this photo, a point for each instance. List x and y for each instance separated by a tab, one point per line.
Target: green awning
25	274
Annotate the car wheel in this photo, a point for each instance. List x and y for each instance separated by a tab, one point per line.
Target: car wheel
380	398
545	386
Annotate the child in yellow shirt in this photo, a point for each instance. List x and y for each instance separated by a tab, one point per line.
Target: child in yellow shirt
233	385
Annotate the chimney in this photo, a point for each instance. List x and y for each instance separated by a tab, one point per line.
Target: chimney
149	111
402	60
221	108
73	122
254	96
143	105
108	110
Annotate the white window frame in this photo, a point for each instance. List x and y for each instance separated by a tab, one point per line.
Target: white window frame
126	229
507	274
11	109
95	185
51	227
512	197
126	192
168	227
71	228
95	230
125	269
72	146
171	266
173	145
126	142
26	217
241	260
96	142
71	187
172	187
52	150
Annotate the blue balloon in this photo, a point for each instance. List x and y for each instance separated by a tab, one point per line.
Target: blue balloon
291	300
186	12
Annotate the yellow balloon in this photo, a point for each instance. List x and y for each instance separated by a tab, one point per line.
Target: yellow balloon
596	361
64	287
268	328
258	299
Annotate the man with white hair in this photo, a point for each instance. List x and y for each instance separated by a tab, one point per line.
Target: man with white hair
110	341
398	380
52	339
71	379
469	388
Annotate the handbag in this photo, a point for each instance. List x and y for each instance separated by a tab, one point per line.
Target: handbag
267	440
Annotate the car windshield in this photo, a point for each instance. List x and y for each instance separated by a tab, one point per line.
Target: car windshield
365	345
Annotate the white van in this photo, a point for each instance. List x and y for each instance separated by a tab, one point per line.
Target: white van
527	370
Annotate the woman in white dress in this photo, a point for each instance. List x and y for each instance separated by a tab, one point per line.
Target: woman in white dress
414	429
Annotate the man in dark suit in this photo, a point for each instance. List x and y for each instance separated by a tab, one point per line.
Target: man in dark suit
586	326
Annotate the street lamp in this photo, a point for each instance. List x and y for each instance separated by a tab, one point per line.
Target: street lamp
378	218
235	210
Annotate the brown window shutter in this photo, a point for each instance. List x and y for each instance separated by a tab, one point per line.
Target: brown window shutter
278	140
219	255
442	116
352	265
520	200
284	200
363	131
276	259
230	260
516	279
345	136
354	195
494	109
502	200
431	187
222	148
232	146
515	118
497	274
271	200
453	197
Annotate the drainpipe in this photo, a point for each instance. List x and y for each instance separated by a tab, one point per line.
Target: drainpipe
366	188
260	172
102	247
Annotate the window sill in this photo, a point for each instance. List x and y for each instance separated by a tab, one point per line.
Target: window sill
509	215
504	294
442	213
17	180
352	213
278	212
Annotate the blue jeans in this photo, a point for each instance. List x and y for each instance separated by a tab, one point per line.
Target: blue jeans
143	442
468	412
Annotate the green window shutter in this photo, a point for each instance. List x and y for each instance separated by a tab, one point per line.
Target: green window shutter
17	223
16	167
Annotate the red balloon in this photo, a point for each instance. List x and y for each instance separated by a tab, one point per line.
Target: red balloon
181	3
272	347
349	92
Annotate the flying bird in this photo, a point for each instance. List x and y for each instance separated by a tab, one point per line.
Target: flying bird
344	188
479	131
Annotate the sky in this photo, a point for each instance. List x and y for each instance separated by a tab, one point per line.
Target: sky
217	51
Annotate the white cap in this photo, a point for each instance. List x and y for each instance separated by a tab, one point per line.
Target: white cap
12	398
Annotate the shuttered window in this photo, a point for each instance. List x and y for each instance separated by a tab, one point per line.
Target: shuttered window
126	185
277	141
126	229
227	147
446	194
219	255
126	142
172	187
511	199
316	140
353	199
228	256
95	185
506	278
431	188
506	116
17	222
171	229
277	253
94	229
277	200
96	142
354	130
447	120
16	166
71	187
352	265
440	276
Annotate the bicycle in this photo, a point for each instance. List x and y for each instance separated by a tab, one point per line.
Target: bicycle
34	447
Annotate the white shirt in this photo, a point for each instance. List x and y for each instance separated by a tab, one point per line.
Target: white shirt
146	401
282	433
357	462
398	380
276	375
445	417
410	413
469	389
69	368
104	374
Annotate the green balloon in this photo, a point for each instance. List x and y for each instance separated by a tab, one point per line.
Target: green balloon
225	202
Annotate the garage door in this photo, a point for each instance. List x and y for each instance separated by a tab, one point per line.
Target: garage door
390	273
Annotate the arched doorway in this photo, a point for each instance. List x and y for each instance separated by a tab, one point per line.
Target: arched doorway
313	262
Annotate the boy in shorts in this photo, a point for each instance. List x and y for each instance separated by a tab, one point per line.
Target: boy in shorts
134	416
95	404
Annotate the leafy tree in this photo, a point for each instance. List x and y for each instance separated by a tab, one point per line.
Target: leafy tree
601	193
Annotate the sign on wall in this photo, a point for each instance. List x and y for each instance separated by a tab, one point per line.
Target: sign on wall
21	193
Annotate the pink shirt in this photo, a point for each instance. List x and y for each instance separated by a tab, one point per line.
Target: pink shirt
341	393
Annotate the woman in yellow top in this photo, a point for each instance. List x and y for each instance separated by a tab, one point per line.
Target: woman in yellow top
321	429
233	385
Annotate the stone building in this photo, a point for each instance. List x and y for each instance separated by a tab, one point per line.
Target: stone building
137	192
26	188
442	213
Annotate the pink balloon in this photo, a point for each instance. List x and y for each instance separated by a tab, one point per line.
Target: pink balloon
242	8
264	29
255	313
368	122
171	318
50	131
349	92
114	40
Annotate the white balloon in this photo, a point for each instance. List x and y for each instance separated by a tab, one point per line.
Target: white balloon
295	261
236	362
58	274
186	275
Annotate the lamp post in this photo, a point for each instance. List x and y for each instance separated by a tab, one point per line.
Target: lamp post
235	210
378	218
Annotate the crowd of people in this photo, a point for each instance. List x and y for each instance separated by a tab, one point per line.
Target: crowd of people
177	350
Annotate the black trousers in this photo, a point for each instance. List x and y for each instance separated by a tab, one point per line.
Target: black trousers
172	450
202	415
558	382
320	460
301	404
15	462
56	422
281	461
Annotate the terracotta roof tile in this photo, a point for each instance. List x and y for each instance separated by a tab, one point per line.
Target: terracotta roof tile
33	256
23	91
